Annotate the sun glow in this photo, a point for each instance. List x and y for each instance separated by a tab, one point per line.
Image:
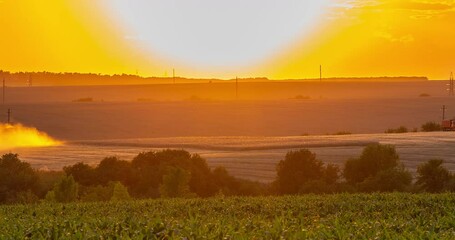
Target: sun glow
16	136
216	34
224	39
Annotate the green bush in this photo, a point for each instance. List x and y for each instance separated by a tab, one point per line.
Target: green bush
143	176
432	176
300	167
341	133
401	129
175	184
149	168
378	170
112	169
16	177
331	173
301	97
317	187
50	197
389	180
95	193
82	173
66	190
374	158
120	193
83	100
26	197
431	127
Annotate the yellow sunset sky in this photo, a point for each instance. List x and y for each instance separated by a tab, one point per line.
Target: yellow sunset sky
349	38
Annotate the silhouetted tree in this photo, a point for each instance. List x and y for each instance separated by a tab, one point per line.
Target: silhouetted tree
432	176
112	169
143	176
331	173
82	173
15	177
401	129
377	170
431	127
200	181
227	184
298	168
149	169
47	180
146	175
374	158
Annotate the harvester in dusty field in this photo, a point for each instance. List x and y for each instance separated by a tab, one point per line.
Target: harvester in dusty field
448	125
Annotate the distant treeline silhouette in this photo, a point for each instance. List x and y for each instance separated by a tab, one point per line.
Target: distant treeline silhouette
21	79
179	174
372	79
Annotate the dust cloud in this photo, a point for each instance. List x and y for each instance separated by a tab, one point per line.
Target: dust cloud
16	136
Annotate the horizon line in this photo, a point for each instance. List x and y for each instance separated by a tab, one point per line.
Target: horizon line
264	78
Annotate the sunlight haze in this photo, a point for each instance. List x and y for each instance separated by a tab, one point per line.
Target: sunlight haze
202	38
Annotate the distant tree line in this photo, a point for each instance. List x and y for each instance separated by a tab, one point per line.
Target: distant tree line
74	78
67	78
426	127
179	174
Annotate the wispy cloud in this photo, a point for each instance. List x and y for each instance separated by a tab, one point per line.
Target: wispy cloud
415	5
395	39
436	5
416	9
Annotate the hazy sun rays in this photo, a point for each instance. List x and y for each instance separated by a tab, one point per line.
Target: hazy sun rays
224	39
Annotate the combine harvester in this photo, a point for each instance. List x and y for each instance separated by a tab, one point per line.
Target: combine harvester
448	125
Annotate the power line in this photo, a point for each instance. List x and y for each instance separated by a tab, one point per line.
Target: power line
320	73
30	80
236	88
3	90
9	115
444	112
451	85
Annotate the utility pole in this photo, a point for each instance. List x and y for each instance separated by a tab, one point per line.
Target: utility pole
320	73
451	85
9	115
236	88
444	112
173	75
3	90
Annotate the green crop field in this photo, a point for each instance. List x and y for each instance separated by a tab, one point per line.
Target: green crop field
345	216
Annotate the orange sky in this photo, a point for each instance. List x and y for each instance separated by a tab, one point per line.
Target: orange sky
353	38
